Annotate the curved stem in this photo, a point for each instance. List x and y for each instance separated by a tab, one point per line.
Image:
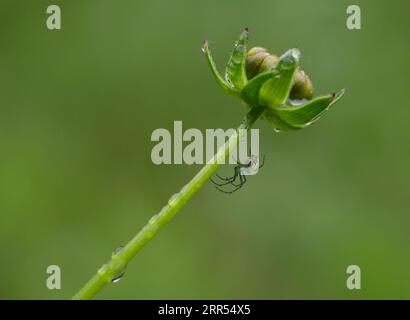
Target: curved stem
116	266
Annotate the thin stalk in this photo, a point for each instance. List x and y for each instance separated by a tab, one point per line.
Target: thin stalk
119	260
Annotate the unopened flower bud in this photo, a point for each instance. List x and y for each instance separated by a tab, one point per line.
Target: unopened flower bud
276	83
254	59
302	86
259	60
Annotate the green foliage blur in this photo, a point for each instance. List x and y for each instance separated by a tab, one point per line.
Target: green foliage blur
77	109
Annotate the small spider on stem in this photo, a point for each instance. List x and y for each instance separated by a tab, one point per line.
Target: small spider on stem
241	170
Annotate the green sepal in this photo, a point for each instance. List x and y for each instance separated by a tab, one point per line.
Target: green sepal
250	94
275	91
235	72
272	117
218	78
299	116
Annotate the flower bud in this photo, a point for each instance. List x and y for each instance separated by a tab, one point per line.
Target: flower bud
254	59
262	79
258	60
302	86
268	63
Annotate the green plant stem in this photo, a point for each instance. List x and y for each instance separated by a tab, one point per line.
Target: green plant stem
116	266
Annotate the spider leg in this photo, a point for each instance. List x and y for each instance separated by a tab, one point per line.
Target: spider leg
220	184
229	192
263	162
236	175
226	180
242	180
237	186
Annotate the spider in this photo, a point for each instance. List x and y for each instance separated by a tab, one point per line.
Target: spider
240	171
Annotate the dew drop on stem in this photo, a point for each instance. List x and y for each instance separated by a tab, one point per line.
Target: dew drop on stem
153	219
118	277
203	48
117	250
172	201
121	272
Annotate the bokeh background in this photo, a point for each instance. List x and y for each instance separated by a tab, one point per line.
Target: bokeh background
77	109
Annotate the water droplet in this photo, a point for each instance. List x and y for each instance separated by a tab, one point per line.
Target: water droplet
276	130
184	189
236	60
153	219
118	277
117	250
150	230
299	102
102	269
122	267
174	198
203	48
309	123
241	48
295	53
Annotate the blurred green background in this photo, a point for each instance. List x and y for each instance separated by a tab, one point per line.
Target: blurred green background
77	109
